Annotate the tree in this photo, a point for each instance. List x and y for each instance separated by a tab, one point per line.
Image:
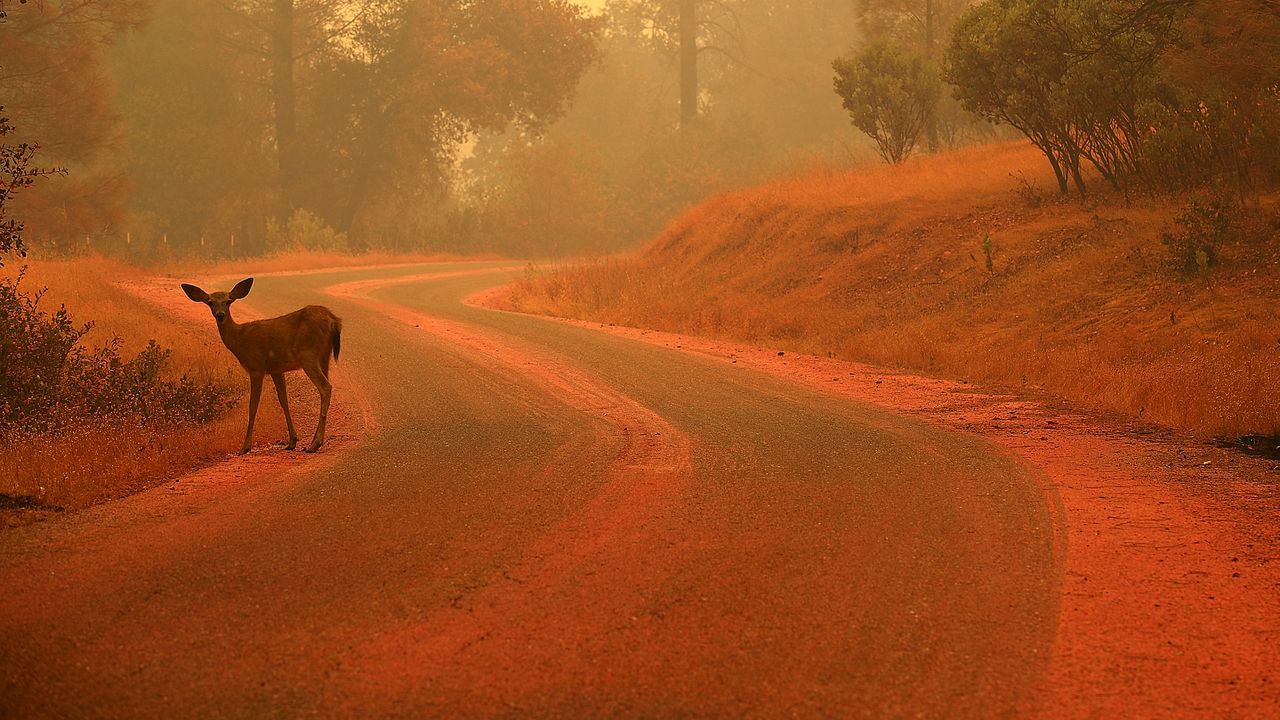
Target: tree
688	30
889	94
16	174
285	104
1005	68
438	71
920	26
56	90
1220	119
362	105
192	85
688	61
1082	79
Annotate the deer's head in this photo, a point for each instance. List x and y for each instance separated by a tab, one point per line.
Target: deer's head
220	302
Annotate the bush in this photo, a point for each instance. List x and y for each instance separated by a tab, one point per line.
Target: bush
1204	225
305	231
50	380
1170	94
890	95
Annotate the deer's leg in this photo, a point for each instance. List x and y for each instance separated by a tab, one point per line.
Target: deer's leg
321	381
283	395
255	394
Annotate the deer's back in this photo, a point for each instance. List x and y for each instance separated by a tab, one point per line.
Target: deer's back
286	343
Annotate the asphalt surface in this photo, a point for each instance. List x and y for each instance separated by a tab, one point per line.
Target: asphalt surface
546	521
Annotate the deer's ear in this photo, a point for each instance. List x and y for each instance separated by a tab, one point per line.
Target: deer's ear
241	289
195	293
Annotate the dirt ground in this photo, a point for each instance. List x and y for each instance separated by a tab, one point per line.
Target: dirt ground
1166	537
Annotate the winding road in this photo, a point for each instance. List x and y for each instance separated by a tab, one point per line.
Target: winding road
527	518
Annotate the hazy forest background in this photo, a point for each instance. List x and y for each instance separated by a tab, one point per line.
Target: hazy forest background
197	128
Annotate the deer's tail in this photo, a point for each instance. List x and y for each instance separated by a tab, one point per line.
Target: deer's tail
336	336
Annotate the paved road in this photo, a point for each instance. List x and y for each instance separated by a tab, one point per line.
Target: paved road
546	521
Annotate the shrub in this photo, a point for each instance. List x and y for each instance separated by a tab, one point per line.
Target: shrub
890	95
50	380
1204	225
305	231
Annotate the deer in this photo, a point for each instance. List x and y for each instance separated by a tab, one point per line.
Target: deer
302	340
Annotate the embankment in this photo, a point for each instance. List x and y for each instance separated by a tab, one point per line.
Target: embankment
965	265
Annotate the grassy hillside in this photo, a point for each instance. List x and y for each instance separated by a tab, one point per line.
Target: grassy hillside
888	266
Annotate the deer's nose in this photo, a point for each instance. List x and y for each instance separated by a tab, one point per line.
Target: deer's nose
220	315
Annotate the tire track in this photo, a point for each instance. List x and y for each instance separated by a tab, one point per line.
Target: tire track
597	560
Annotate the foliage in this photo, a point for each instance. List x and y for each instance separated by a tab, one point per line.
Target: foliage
49	379
890	95
185	92
431	124
1119	85
1204	225
1003	68
384	93
58	93
617	167
1219	121
16	174
923	27
304	231
920	25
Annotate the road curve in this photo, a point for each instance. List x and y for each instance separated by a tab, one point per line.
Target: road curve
546	521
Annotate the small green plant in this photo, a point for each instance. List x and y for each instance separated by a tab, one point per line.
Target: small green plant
1203	226
988	251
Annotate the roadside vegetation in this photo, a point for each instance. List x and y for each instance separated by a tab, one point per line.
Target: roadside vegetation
970	265
91	411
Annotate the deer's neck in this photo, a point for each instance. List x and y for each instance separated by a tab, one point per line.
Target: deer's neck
229	331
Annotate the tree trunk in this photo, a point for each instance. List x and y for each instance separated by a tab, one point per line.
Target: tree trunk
285	105
1059	172
931	120
688	62
370	159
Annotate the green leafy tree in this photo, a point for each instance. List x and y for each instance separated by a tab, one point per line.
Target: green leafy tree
1004	67
890	95
923	27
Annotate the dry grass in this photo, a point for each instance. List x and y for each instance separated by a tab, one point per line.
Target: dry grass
304	261
99	461
886	266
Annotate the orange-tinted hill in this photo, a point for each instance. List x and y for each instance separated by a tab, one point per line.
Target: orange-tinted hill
888	266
